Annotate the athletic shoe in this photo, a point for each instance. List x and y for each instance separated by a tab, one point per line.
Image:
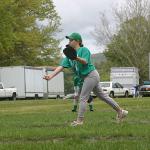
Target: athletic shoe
121	115
76	123
74	108
91	107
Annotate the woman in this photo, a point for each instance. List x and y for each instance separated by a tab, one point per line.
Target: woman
84	68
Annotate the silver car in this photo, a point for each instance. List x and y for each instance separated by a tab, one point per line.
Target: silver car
114	89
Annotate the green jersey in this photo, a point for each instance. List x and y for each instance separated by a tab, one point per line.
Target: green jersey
77	81
80	69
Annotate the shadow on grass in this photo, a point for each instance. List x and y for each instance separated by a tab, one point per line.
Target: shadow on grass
62	139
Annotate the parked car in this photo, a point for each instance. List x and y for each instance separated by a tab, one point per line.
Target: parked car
114	89
145	89
7	92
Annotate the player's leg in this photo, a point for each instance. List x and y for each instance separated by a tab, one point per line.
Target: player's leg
75	99
105	97
89	83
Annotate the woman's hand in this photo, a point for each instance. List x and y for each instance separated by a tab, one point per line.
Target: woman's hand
55	72
48	77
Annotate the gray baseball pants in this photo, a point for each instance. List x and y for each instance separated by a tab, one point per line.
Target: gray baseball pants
91	82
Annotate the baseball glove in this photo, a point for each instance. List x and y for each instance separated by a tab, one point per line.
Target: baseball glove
70	52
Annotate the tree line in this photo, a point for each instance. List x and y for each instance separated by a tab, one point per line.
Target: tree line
128	39
28	31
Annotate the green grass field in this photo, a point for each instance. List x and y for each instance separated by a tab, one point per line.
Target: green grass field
45	125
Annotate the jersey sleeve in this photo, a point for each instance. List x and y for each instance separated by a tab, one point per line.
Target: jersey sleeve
65	63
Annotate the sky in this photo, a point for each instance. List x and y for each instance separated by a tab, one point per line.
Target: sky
81	16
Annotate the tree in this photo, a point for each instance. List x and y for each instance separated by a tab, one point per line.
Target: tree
130	45
131	48
104	70
23	39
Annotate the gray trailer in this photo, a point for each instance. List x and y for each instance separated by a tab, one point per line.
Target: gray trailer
127	76
30	83
27	80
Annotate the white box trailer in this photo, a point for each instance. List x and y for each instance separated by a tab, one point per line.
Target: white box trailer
127	76
30	83
28	80
54	88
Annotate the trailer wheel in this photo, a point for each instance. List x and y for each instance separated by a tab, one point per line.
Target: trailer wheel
36	96
126	94
14	96
111	94
58	97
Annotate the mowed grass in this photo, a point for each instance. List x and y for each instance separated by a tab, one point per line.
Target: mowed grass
45	125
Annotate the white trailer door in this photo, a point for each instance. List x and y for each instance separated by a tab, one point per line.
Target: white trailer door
56	85
34	82
2	91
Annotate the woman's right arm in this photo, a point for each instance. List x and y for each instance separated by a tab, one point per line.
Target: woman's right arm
55	72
